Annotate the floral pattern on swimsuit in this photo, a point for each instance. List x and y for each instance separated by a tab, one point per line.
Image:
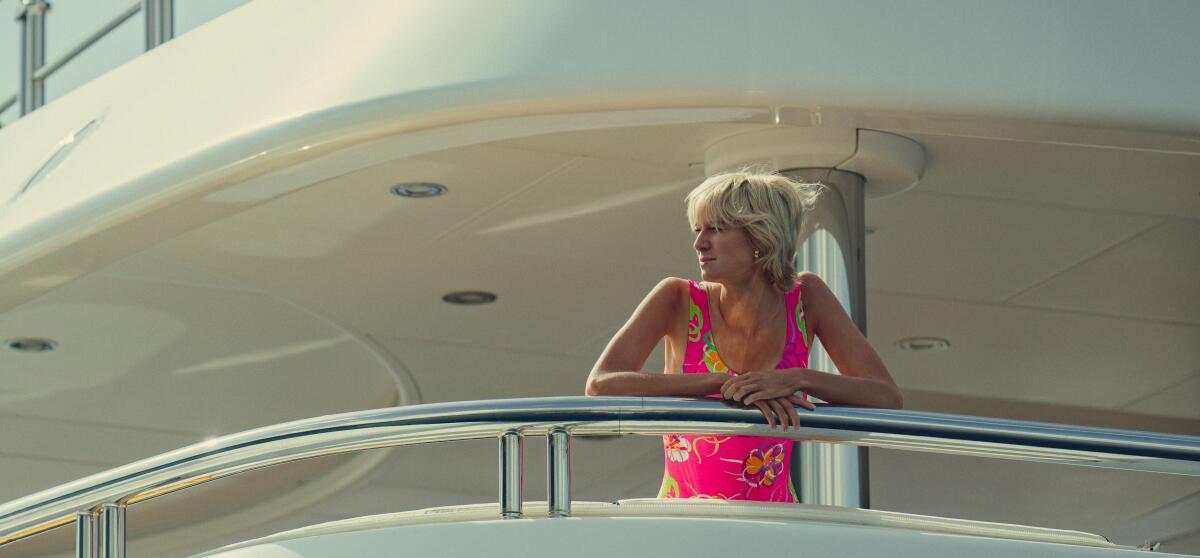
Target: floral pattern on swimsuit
730	467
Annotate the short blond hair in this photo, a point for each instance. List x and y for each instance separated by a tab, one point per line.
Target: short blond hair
771	207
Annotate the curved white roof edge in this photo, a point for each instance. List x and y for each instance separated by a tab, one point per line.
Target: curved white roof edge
273	86
652	507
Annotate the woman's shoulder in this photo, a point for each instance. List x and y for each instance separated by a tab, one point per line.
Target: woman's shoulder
683	292
807	280
673	284
813	292
671	290
815	295
680	289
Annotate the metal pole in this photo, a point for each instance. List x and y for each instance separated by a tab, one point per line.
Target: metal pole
32	15
46	70
835	474
558	472
112	531
512	473
86	535
160	21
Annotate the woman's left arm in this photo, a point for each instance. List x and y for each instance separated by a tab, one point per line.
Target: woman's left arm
864	380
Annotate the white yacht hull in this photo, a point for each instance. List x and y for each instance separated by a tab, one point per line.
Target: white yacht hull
660	528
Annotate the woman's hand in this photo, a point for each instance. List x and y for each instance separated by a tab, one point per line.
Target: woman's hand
752	387
771	392
780	410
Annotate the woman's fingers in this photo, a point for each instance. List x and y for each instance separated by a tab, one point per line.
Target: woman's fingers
766	413
754	394
779	409
736	389
792	414
806	404
729	387
780	412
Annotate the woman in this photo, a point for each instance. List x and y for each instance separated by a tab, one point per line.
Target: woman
762	316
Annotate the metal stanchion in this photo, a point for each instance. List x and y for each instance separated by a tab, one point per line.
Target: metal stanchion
32	16
558	471
512	473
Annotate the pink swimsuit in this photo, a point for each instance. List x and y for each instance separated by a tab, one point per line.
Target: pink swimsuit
731	467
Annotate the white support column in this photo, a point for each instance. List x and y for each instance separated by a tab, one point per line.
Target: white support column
834	474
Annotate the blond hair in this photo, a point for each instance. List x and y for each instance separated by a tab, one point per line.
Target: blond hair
771	207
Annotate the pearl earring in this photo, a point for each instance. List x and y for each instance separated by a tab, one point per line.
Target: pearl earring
756	254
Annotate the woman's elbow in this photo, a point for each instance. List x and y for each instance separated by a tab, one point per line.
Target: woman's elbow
595	386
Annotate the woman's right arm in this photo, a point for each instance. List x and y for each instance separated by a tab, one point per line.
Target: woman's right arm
616	372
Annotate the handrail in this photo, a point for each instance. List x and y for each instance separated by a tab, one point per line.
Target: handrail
587	416
160	27
46	71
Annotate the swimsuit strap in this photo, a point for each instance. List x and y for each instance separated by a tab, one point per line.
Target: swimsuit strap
796	323
698	327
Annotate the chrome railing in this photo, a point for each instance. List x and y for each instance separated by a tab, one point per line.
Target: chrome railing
97	503
31	15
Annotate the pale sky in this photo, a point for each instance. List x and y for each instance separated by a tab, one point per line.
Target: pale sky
70	21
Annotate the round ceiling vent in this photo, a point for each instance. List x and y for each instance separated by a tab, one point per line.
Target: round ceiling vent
419	190
469	297
923	344
31	345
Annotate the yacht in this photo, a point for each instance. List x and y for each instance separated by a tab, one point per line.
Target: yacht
318	280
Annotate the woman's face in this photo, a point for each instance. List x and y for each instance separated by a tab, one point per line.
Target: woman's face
725	253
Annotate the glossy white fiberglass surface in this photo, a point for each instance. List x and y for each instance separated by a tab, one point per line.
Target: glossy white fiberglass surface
391	72
650	536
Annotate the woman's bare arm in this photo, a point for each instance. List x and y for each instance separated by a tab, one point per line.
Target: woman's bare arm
864	379
616	372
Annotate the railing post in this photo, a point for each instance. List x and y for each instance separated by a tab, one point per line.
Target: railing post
512	475
32	16
112	531
87	535
558	472
160	21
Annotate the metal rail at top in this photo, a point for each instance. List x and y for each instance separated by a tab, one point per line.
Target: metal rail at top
97	503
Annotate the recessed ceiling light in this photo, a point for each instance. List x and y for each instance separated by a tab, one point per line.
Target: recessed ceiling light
31	345
419	190
923	344
469	297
